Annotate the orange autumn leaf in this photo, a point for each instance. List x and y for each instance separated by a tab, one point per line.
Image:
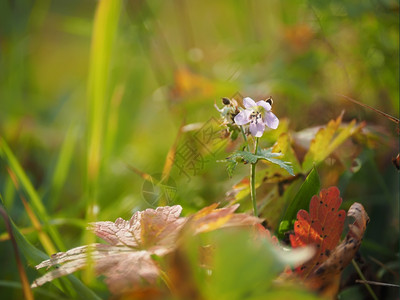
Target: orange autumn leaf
344	253
262	232
322	227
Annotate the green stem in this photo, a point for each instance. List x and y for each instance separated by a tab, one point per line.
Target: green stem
365	281
253	181
252	173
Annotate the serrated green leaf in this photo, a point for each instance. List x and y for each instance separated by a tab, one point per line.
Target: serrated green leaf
246	156
231	167
283	164
262	154
309	188
267	153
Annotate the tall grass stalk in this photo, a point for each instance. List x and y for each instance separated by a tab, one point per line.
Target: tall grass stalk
104	30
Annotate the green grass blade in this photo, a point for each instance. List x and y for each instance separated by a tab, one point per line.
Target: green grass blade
112	123
34	199
104	31
62	165
309	188
74	287
39	291
21	270
9	192
34	256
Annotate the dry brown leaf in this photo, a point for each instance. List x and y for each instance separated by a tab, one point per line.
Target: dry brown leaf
126	261
148	229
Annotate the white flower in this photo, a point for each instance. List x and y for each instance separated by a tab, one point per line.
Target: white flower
258	115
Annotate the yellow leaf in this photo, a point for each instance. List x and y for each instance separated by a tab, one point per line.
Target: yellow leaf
327	140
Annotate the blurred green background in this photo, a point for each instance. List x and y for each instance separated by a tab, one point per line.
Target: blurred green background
169	62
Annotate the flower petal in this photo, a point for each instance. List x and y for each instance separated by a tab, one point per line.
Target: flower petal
248	102
243	117
264	104
257	130
271	120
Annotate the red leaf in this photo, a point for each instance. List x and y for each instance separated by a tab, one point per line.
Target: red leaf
321	227
262	232
344	253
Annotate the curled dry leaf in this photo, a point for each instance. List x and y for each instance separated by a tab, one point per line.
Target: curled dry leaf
126	261
322	227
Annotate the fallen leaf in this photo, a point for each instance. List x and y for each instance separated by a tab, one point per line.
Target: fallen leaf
265	233
322	227
126	261
146	229
344	253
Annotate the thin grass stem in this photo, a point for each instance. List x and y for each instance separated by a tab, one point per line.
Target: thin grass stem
368	287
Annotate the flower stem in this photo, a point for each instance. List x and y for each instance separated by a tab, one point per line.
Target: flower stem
252	172
253	181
